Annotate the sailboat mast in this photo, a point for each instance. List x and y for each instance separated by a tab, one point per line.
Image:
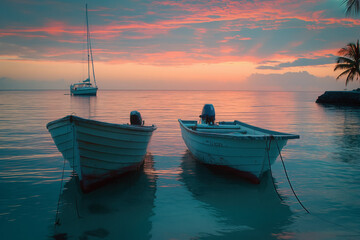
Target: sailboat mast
89	48
87	41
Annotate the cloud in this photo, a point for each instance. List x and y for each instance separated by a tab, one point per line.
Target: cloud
301	62
264	67
205	31
236	37
294	81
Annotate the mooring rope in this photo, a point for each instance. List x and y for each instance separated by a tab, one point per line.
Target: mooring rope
73	168
287	176
297	198
272	179
57	220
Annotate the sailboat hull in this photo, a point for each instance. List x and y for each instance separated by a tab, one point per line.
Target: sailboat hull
84	91
100	151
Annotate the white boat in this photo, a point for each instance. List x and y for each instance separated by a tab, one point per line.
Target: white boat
100	151
238	146
85	87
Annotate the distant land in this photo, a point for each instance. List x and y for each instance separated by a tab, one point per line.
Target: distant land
290	81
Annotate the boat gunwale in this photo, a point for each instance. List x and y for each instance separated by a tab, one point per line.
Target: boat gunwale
100	123
271	134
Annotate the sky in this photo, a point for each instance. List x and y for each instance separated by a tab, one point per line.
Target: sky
176	45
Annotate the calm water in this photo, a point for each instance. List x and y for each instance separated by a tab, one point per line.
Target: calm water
174	197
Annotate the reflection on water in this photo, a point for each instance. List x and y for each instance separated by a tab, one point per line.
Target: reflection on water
120	210
345	132
190	201
237	202
83	106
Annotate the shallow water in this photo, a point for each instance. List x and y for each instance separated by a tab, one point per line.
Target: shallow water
173	196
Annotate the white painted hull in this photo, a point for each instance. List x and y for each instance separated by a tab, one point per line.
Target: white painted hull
84	91
100	151
251	155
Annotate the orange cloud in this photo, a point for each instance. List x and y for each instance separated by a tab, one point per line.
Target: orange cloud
233	14
237	37
230	17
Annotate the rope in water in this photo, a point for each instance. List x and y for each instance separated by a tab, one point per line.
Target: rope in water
287	176
292	189
272	179
73	170
57	220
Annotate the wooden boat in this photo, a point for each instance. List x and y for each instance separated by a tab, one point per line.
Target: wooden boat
238	146
99	151
85	87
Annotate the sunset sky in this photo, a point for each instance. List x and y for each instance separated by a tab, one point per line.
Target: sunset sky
206	44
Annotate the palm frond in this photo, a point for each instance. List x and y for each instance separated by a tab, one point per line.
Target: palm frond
349	61
357	50
344	50
342	66
348	51
350	77
352	7
344	60
352	52
343	73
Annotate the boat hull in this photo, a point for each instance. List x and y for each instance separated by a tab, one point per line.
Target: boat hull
99	151
84	91
248	156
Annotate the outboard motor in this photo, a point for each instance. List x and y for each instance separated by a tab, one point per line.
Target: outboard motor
135	118
208	114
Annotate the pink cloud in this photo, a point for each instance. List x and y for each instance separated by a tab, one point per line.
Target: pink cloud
25	35
236	37
72	41
231	16
55	28
239	11
98	9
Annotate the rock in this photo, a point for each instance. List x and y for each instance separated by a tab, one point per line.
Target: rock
350	98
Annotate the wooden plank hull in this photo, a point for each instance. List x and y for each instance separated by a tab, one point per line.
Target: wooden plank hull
100	151
249	155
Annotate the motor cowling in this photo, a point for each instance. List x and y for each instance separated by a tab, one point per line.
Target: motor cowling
208	114
135	118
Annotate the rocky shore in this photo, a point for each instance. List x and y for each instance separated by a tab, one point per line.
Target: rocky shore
340	98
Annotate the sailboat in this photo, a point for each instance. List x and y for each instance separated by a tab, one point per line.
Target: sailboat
86	87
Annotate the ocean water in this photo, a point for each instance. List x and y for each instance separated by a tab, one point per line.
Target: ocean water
173	196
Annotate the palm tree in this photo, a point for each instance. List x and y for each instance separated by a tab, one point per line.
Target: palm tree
349	61
352	7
